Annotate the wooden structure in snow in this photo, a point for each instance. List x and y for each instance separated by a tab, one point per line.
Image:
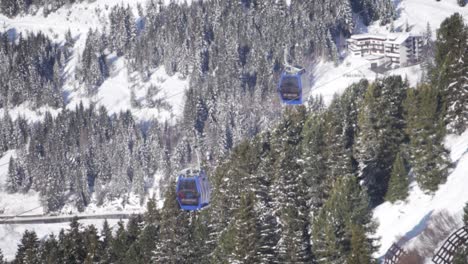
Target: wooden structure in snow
393	255
454	242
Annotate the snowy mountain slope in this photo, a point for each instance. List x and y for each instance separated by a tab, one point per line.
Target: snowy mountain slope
12	204
115	92
328	79
410	218
417	13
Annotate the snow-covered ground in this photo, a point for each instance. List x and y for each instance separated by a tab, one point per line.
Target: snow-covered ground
328	79
417	13
408	219
12	204
115	92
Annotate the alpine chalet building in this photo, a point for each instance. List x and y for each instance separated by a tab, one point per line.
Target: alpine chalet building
400	49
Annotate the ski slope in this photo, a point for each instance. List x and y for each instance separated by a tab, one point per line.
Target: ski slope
408	219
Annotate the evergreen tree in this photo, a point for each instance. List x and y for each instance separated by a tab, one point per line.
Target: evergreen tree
147	242
332	229
49	250
450	71
174	233
28	249
242	235
105	245
398	184
313	154
73	243
461	256
427	156
360	251
1	258
91	243
289	201
380	134
120	244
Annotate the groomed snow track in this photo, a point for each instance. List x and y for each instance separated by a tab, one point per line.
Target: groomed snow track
7	220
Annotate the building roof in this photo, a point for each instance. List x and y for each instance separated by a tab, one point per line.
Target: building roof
368	36
397	38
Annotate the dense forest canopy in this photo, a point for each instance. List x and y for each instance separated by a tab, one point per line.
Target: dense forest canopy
289	184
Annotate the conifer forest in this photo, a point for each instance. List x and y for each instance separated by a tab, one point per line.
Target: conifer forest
289	183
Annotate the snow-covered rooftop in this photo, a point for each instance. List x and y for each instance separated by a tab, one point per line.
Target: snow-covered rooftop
368	36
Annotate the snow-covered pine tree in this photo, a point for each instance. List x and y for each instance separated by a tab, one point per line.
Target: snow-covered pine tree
13	181
332	228
380	134
399	183
91	244
360	250
314	161
2	261
119	245
239	241
457	96
105	243
289	191
73	243
427	156
50	250
449	73
174	233
28	248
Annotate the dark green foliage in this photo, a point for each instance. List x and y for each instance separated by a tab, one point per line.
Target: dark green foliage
360	251
28	249
450	71
240	241
73	244
105	245
91	242
175	234
28	73
313	153
461	256
399	181
380	134
120	244
289	199
50	251
344	213
427	155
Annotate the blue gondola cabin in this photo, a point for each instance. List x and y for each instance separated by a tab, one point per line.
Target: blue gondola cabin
290	88
193	190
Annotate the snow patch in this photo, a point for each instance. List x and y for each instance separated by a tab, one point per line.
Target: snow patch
410	217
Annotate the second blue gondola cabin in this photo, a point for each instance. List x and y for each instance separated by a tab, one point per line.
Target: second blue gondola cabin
193	190
290	88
